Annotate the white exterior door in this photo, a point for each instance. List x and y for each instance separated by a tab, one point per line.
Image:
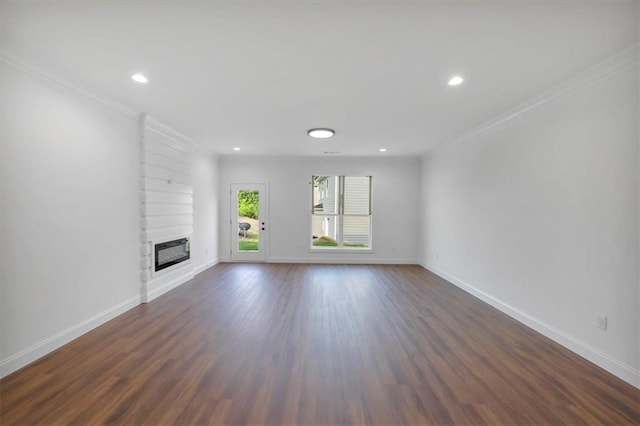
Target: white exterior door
249	222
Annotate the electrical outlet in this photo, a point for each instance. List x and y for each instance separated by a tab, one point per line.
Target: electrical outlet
206	251
601	321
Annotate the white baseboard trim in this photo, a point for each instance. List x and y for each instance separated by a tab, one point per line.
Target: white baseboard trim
624	371
27	356
206	266
342	261
153	293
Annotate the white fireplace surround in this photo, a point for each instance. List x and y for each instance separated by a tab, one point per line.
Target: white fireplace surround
167	203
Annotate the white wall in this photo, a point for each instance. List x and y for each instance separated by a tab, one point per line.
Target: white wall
204	245
539	216
71	209
70	223
395	205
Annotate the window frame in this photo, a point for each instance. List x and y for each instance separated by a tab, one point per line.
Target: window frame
339	214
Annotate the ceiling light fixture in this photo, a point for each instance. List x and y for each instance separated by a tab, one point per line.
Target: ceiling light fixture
455	80
321	133
139	78
236	149
383	150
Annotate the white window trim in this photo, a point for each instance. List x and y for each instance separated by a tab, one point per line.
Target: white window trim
340	195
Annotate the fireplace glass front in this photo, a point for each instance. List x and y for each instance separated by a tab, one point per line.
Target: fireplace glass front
171	252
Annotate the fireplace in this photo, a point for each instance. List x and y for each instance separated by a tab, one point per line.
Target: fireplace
170	253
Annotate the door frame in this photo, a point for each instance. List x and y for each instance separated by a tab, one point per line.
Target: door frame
263	221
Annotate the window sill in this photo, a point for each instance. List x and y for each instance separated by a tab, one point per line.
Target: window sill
340	250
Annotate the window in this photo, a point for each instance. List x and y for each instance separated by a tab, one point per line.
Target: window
341	212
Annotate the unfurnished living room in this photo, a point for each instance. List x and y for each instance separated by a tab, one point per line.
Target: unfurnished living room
320	212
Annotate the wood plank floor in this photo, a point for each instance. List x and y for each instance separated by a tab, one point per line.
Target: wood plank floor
315	344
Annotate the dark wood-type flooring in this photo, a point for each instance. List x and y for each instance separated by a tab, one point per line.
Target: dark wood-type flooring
315	344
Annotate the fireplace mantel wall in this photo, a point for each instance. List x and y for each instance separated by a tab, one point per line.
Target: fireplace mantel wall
167	202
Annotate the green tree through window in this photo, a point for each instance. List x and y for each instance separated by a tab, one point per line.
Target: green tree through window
248	203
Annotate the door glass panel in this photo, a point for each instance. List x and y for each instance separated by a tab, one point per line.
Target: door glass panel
248	214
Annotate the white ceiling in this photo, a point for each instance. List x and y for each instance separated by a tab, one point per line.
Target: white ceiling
258	74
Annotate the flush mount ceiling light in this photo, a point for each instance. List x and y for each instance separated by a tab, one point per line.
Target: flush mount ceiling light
455	80
321	133
139	78
236	149
383	150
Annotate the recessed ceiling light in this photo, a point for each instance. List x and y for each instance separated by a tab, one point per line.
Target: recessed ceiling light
236	149
383	150
321	133
139	78
455	80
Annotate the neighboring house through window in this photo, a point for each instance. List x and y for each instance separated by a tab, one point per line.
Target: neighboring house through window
341	212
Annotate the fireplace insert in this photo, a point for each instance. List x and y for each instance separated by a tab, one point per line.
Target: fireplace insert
171	252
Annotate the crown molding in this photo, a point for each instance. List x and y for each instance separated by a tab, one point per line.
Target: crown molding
104	100
602	71
58	82
168	131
